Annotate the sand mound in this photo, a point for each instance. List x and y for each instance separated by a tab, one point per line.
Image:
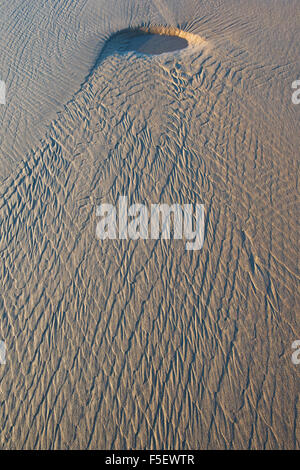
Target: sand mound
150	40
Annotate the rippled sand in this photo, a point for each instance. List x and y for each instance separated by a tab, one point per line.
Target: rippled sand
142	344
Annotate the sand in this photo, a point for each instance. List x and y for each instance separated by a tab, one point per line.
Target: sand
123	344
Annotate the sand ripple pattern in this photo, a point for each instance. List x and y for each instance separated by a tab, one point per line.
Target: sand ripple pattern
125	344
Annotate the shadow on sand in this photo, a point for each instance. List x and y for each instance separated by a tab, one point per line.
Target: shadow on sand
144	42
